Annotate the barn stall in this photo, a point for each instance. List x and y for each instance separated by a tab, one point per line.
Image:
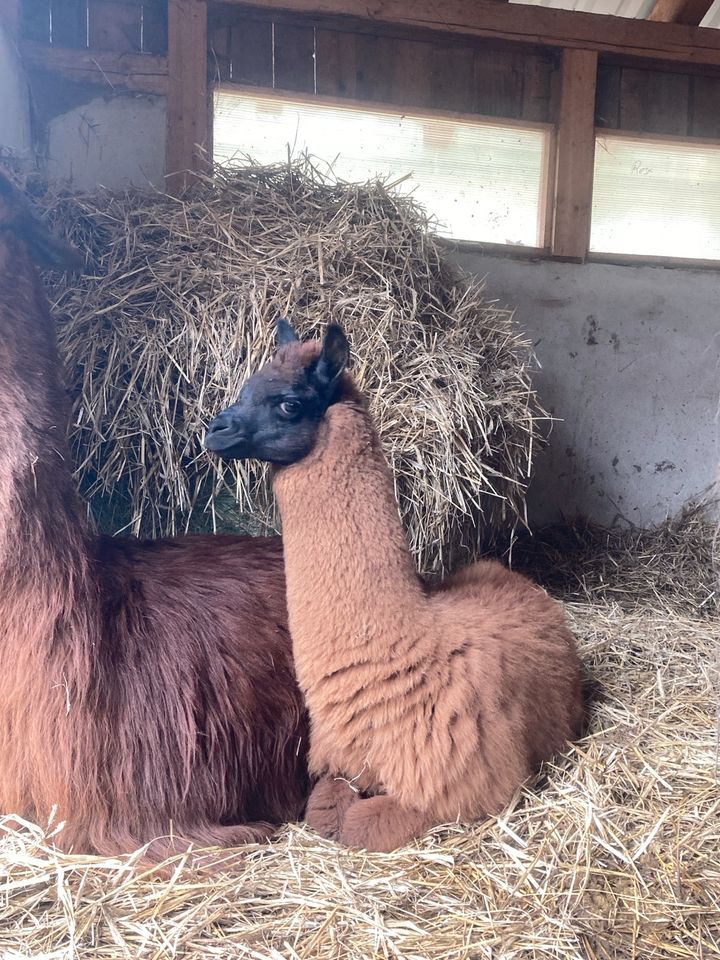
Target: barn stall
555	266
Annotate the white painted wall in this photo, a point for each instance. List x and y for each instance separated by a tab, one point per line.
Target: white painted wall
14	98
112	141
631	363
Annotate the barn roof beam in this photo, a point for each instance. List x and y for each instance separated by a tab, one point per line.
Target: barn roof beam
545	26
680	11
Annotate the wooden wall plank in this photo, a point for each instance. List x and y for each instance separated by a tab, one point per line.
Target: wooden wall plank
607	101
69	23
388	69
499	79
294	54
705	109
654	102
575	155
452	72
140	72
188	109
219	58
413	80
336	54
114	26
154	38
375	57
11	16
251	53
540	74
35	20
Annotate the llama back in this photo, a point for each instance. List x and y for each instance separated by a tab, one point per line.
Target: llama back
205	618
525	653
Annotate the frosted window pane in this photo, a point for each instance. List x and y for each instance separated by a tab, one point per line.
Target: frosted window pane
657	199
481	181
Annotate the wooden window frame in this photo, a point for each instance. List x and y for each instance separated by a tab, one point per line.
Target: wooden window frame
640	259
549	159
183	77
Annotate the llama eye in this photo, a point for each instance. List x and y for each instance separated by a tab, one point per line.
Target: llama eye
289	407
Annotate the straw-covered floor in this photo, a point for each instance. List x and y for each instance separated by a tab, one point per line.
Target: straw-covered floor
179	304
615	853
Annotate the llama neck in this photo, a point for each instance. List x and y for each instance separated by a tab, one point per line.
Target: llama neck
43	529
346	557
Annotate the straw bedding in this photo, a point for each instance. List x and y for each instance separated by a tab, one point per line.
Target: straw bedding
613	854
179	305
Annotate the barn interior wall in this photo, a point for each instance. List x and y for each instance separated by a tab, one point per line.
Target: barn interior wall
630	364
629	354
86	134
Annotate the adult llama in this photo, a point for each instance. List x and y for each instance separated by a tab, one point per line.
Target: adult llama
147	693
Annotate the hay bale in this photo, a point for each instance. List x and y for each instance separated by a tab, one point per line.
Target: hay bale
612	856
179	305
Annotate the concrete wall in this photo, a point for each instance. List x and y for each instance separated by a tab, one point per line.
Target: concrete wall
631	363
113	141
14	99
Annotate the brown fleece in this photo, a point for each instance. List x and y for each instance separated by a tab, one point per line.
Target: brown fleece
146	688
439	702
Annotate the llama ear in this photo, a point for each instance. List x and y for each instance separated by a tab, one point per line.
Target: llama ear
284	332
334	357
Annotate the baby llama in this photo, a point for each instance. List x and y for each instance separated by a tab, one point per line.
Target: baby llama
427	703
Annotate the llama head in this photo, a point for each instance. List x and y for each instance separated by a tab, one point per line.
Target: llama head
280	408
21	223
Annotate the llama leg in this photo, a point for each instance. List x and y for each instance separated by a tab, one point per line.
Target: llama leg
382	824
327	805
232	835
236	834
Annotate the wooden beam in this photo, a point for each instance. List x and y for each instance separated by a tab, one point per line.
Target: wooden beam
575	155
140	73
188	106
544	26
680	11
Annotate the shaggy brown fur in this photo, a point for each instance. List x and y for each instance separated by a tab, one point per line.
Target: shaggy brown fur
146	688
438	702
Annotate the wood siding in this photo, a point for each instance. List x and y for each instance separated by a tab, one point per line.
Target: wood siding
660	102
437	74
123	26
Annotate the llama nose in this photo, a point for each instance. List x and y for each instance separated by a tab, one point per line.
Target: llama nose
224	426
224	421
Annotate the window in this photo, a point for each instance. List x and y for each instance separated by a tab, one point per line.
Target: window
656	198
481	180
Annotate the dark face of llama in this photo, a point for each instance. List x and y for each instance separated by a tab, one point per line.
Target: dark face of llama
277	415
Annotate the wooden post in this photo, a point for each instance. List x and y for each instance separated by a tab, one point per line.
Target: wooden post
575	155
188	107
